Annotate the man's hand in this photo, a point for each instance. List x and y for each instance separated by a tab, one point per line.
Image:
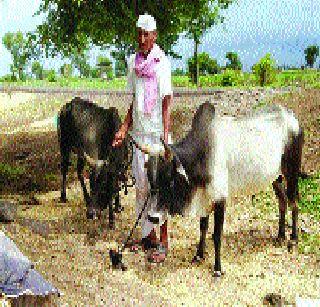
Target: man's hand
120	136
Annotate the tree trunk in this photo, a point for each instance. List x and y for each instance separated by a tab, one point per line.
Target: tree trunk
196	73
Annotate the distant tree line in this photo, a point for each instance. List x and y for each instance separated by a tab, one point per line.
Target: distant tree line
25	52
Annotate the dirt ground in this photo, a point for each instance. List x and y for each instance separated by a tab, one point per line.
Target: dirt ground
73	253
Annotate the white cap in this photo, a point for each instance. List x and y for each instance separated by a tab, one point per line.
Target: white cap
147	22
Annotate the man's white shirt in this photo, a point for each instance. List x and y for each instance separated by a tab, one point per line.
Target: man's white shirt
149	124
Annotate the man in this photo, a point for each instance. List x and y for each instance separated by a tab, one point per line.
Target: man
149	77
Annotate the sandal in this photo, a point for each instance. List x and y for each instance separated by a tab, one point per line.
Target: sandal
158	254
145	244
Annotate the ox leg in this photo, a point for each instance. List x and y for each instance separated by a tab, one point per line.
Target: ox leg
80	166
204	222
111	216
65	156
293	167
219	208
117	206
280	192
92	213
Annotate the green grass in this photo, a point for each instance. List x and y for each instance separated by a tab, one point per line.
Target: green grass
9	172
228	79
309	190
309	243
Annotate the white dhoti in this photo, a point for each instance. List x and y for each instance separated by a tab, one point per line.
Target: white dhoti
142	184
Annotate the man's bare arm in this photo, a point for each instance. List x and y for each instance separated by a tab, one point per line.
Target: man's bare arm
121	134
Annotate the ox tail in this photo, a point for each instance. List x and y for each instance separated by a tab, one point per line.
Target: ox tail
294	158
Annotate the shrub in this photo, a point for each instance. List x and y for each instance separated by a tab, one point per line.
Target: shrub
52	76
265	70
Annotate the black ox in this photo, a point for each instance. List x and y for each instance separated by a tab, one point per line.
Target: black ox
222	157
88	130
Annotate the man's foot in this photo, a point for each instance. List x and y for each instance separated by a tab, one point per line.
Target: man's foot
158	254
146	243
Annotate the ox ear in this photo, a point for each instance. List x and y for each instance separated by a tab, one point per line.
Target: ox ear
174	157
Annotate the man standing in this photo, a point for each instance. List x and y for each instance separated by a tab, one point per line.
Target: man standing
149	77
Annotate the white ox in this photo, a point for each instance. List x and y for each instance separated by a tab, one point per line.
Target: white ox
224	156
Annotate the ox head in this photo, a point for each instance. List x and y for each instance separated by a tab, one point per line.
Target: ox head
104	180
169	182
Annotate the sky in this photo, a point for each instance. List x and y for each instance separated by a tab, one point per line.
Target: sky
251	28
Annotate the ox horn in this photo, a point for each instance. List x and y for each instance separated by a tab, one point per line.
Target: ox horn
180	168
94	163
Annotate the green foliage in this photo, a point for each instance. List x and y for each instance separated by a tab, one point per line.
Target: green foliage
309	190
52	76
265	70
120	61
66	70
204	14
120	68
80	59
8	172
22	48
178	72
207	65
72	24
234	61
105	66
37	70
95	72
231	78
311	54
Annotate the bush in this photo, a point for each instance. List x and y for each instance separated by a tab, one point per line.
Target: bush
265	70
9	78
180	81
52	76
178	72
231	78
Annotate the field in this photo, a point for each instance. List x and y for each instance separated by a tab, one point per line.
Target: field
302	78
73	253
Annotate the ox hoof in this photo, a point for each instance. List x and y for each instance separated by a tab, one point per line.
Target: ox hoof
118	209
292	245
279	241
197	259
63	199
217	273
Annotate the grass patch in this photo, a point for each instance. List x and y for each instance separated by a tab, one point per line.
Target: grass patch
9	172
309	190
309	243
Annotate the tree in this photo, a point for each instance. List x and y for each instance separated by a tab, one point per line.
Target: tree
80	59
204	14
234	61
37	70
206	65
68	24
22	48
66	70
265	69
105	66
120	60
311	54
